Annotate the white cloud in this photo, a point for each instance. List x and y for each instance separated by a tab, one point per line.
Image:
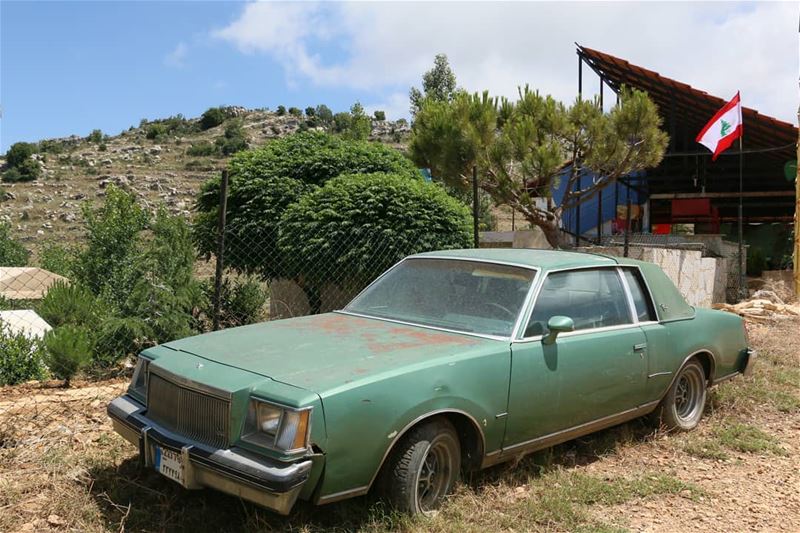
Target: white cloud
382	47
177	56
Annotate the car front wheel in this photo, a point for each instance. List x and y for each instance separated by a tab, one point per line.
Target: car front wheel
424	468
682	407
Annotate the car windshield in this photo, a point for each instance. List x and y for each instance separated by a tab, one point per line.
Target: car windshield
469	296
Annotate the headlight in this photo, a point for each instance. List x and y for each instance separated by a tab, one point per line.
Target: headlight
138	386
277	427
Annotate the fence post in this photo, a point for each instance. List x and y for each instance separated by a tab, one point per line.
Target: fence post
223	209
627	220
475	206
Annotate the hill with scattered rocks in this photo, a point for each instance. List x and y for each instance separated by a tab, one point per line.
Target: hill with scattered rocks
152	161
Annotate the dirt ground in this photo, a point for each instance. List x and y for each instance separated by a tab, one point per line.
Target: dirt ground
63	469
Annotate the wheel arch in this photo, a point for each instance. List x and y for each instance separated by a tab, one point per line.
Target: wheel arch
470	437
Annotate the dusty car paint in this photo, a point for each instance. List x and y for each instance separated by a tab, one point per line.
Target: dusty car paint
369	380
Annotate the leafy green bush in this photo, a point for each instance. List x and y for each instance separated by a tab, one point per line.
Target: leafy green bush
201	149
212	117
20	358
67	350
280	111
242	301
95	137
234	139
28	170
310	111
156	131
18	153
117	338
57	258
295	112
341	122
324	115
12	253
73	304
362	224
380	115
107	263
265	181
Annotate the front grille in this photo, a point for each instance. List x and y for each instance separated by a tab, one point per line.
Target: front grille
192	414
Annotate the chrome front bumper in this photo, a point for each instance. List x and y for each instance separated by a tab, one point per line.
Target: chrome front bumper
269	483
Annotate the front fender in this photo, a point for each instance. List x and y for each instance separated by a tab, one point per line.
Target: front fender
365	422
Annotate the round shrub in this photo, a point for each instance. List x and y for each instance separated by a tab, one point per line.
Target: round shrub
265	181
212	117
18	153
70	304
363	224
20	358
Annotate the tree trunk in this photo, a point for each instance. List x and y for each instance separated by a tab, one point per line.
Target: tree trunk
555	237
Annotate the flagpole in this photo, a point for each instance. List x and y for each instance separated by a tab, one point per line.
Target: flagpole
742	282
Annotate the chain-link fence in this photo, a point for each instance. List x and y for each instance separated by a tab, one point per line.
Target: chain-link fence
70	326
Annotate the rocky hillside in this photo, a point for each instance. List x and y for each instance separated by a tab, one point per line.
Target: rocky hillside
158	170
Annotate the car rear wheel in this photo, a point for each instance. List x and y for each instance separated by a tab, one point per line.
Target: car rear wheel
424	468
682	407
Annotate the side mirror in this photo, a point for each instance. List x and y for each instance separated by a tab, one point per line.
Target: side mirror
557	324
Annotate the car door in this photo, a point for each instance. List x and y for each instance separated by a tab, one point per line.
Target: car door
596	371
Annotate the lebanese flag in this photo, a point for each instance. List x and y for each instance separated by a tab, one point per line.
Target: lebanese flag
724	128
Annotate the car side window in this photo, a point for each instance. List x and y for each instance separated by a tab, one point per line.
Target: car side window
592	298
641	299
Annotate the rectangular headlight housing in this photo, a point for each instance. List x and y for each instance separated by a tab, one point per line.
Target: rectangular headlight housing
277	427
138	386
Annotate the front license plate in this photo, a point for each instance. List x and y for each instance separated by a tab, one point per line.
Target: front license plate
169	464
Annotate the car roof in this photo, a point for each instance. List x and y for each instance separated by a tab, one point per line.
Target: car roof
542	259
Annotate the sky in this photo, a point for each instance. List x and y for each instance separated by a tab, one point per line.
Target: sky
71	67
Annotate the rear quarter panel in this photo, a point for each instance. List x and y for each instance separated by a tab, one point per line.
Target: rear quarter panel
365	419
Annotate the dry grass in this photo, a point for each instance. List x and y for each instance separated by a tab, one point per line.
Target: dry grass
62	469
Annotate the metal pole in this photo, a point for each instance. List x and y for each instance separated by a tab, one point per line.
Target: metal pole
578	210
742	282
223	209
627	220
475	206
601	93
599	216
513	217
580	77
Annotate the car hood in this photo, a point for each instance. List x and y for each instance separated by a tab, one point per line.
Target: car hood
323	352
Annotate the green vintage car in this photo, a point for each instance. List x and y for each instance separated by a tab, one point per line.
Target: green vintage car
450	361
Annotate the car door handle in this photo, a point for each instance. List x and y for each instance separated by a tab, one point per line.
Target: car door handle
639	347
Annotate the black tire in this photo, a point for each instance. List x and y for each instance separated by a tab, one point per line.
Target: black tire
424	467
682	407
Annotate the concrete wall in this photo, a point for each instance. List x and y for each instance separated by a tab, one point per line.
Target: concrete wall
701	280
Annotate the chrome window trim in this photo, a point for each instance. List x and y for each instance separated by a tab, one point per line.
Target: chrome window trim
538	288
628	296
517	322
649	293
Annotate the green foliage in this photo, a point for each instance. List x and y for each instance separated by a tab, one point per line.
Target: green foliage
360	124
118	337
295	112
212	117
156	131
12	253
20	358
379	115
27	170
438	84
242	300
67	350
234	140
95	137
201	149
280	111
310	111
72	304
57	258
323	114
362	224
521	148
102	147
106	265
342	121
18	153
265	181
